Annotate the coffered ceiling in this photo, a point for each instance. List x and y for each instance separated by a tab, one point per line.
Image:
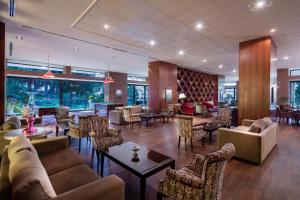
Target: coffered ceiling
56	27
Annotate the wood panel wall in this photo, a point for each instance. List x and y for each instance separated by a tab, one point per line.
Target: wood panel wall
120	83
161	76
255	78
2	72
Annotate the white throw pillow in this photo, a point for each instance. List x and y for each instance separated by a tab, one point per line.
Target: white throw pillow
257	124
268	121
18	143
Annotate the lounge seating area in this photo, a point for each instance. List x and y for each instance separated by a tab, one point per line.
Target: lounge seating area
145	100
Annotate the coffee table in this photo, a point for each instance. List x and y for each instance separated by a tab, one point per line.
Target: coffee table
148	116
41	131
149	163
211	127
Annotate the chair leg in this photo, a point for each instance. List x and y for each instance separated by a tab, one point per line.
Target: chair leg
159	196
192	144
179	141
93	152
98	160
79	145
69	138
185	143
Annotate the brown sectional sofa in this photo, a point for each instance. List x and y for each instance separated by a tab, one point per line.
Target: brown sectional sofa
48	169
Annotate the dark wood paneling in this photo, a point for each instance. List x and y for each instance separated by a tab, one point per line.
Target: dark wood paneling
161	76
2	72
120	83
254	78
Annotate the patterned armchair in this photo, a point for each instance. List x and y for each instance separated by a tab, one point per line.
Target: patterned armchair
103	137
62	114
169	112
187	130
79	131
201	179
131	118
224	117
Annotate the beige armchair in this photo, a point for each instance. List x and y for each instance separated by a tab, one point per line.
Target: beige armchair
186	129
102	136
131	118
253	147
79	131
201	179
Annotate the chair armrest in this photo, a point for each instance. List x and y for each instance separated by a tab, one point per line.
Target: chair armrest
51	144
185	179
114	132
111	187
247	122
196	163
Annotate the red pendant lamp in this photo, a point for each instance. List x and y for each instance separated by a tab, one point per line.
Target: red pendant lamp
48	74
108	79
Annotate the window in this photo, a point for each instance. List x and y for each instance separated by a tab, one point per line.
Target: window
230	93
33	68
295	93
137	94
88	73
78	95
295	72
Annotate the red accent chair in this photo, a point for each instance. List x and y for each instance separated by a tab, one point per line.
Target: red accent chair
188	109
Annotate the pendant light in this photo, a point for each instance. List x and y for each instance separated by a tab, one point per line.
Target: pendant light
48	74
108	79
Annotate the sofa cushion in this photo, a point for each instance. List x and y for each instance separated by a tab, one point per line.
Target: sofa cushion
60	160
8	126
72	178
26	168
5	187
136	109
257	126
119	109
15	120
19	143
268	122
242	128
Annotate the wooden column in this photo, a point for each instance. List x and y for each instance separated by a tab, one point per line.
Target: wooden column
256	76
2	73
161	76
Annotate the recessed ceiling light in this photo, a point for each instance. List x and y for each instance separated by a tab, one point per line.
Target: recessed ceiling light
220	66
75	49
181	52
106	26
199	26
260	4
273	30
19	37
286	58
204	60
234	70
152	42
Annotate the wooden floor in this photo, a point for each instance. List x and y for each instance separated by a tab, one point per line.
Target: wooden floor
278	177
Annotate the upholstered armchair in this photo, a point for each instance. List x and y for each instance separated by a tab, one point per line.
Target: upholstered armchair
187	130
62	115
80	130
201	179
131	118
169	112
224	117
102	136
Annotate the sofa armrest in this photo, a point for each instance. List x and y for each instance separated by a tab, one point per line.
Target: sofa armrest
247	122
110	187
51	144
248	145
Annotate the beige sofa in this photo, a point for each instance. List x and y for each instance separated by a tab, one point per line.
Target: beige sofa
253	147
48	169
117	116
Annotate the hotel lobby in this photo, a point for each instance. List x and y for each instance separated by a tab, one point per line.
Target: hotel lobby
139	99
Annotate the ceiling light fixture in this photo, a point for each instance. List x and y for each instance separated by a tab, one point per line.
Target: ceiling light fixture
274	59
286	58
234	70
152	42
106	26
181	52
260	4
204	60
273	30
199	26
48	74
19	37
220	66
75	49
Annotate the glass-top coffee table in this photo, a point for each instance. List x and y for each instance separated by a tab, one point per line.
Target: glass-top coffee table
148	163
41	132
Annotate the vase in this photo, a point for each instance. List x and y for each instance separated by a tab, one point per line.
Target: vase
30	125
